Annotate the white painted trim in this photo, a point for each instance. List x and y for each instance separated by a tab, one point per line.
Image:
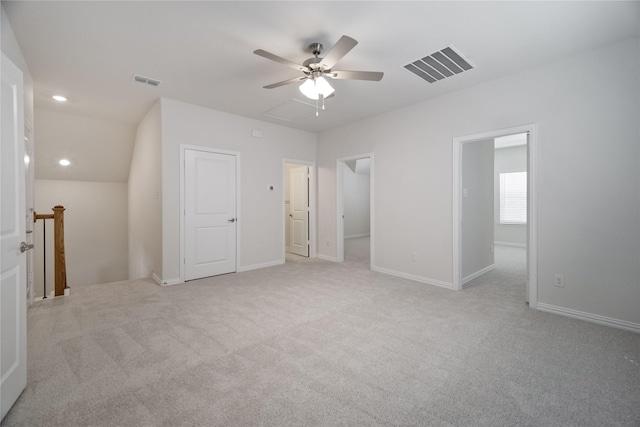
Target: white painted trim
510	244
172	282
52	295
327	258
156	278
415	278
533	202
340	207
184	147
478	273
261	265
313	213
355	236
589	317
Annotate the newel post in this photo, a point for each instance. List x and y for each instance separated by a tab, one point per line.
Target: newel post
60	263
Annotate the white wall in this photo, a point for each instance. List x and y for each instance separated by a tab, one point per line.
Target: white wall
477	208
105	147
261	238
145	199
588	177
95	231
356	196
511	159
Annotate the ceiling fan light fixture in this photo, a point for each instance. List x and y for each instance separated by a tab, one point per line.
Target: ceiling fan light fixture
312	88
323	87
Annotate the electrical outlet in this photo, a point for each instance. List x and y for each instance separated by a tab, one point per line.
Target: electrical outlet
327	243
257	249
491	248
414	257
559	280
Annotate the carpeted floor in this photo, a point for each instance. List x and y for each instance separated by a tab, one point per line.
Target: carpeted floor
317	343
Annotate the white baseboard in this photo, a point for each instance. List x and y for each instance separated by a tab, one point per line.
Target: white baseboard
512	244
478	273
261	265
156	279
414	277
327	258
590	317
357	235
161	282
52	295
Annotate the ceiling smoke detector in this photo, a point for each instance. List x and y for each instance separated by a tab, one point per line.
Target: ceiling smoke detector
147	80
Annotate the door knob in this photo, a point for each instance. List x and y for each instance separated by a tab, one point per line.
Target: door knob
231	220
25	247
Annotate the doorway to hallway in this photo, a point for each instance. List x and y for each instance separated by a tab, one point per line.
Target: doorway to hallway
355	222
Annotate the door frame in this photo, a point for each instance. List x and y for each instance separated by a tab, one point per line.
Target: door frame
30	208
340	207
183	148
313	250
532	212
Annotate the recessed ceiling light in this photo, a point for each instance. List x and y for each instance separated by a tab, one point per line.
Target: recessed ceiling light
59	98
64	162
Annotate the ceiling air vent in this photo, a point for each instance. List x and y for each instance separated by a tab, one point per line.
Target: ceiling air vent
440	65
147	80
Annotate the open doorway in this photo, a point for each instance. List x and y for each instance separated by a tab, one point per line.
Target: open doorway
298	210
355	214
494	199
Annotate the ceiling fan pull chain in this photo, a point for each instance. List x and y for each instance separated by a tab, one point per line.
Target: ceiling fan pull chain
317	108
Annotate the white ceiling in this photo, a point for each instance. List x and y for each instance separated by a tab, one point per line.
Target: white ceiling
203	51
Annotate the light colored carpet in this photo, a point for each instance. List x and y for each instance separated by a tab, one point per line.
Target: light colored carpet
317	343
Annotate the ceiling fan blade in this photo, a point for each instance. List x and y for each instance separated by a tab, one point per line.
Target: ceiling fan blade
375	76
340	49
280	59
285	82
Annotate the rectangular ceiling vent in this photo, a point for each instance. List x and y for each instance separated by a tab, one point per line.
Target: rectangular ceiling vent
147	80
440	65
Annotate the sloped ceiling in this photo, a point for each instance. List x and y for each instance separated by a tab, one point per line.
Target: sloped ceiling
203	52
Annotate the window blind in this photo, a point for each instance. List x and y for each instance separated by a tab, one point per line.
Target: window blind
513	198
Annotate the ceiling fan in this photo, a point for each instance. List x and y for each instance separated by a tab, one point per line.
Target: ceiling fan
314	85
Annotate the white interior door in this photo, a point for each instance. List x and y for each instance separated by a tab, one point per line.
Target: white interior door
299	205
210	214
13	263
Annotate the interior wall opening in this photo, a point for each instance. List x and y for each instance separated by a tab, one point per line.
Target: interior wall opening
355	214
494	211
494	229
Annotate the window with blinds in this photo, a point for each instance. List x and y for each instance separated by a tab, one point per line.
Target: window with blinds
513	198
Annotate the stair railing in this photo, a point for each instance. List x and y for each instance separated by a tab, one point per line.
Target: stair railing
60	265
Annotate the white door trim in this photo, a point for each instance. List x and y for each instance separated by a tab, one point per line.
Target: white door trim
183	148
340	207
532	207
313	249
